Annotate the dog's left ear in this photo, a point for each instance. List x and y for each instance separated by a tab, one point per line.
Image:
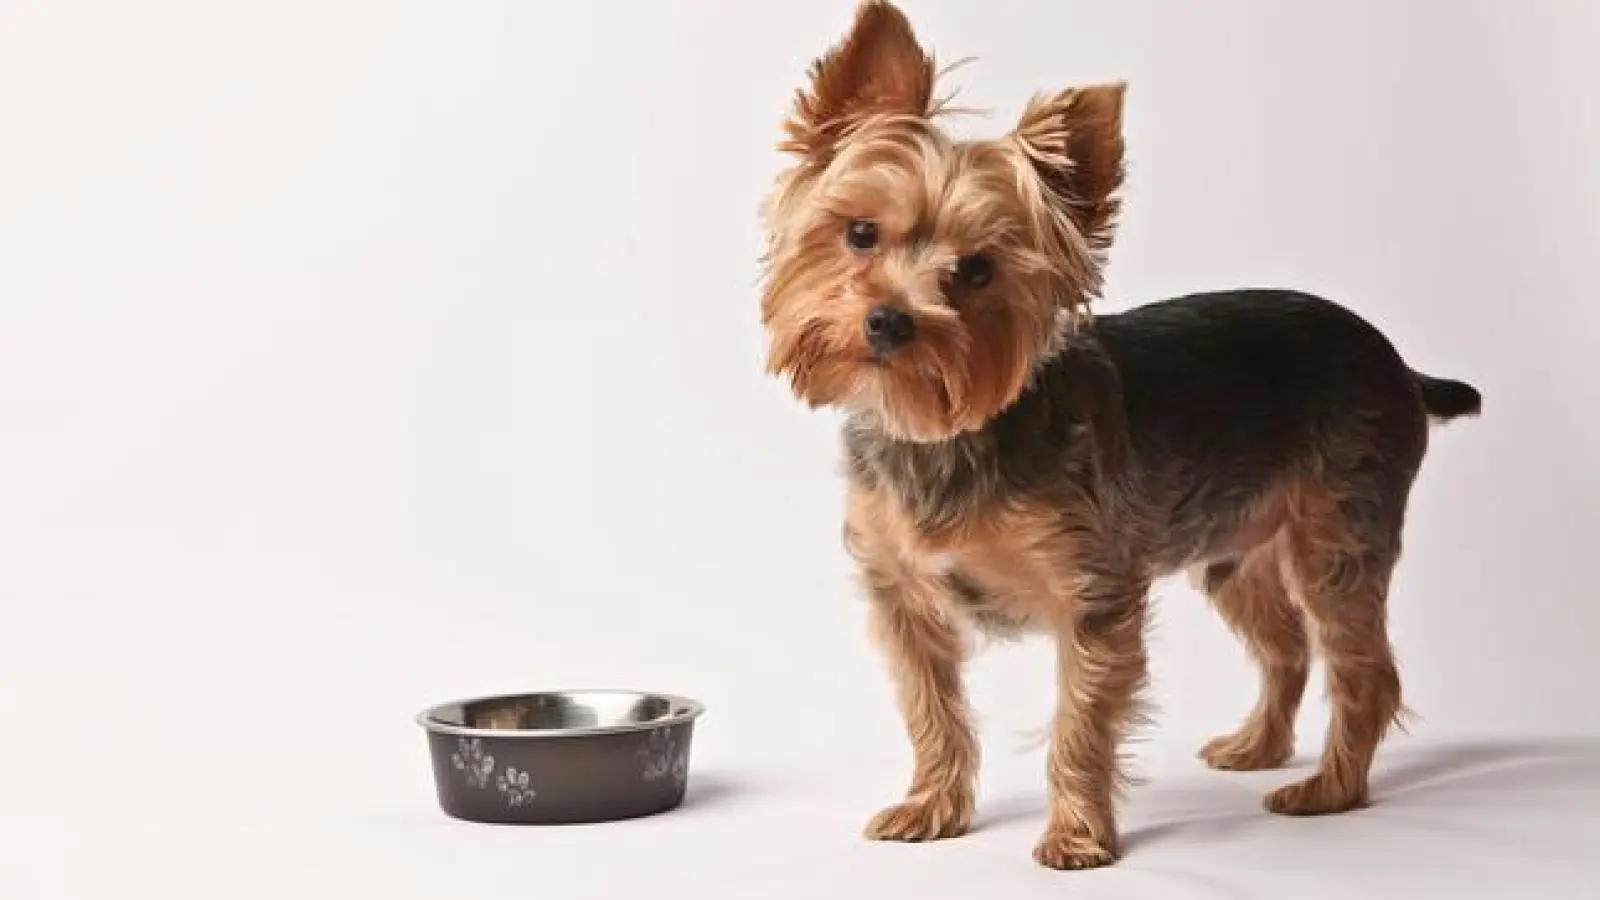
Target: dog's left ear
879	68
1074	141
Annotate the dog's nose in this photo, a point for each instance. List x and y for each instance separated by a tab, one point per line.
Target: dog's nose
889	329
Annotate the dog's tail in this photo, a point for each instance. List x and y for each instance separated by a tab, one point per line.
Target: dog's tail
1445	399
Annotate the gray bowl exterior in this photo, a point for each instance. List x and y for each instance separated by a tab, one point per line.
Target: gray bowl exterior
550	780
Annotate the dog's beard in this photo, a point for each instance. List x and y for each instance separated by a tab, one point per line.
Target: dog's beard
953	378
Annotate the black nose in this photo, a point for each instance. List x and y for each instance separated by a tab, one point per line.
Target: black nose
889	329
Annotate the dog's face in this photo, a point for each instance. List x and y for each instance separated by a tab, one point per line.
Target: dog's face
916	277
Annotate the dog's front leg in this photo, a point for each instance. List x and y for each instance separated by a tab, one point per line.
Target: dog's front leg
925	654
1101	670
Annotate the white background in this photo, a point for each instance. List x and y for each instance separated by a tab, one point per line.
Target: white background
360	355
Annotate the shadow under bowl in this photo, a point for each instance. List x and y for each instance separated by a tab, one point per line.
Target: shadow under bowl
561	757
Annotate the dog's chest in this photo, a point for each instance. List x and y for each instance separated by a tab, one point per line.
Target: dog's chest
948	518
1004	569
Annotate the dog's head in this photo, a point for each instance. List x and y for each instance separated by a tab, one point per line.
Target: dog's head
921	278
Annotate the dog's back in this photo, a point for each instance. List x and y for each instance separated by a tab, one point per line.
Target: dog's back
1244	383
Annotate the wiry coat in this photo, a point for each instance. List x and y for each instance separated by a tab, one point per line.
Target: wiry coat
1163	430
1018	465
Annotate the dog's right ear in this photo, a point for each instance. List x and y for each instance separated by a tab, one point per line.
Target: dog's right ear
878	69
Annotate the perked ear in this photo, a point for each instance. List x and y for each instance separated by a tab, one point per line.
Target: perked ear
1074	140
879	68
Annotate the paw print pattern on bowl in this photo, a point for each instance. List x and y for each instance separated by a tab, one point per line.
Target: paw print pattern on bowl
475	765
514	785
661	758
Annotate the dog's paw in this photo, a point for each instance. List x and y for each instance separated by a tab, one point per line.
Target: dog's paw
1247	751
929	819
1316	796
1069	850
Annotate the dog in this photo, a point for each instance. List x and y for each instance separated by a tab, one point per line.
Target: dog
1018	465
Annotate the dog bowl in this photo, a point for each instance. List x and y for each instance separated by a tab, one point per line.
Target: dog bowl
561	757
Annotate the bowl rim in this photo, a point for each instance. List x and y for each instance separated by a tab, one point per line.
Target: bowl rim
688	710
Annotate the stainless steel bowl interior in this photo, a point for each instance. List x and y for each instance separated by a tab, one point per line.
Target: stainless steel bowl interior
561	712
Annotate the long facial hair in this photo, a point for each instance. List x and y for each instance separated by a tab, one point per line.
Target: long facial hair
1034	204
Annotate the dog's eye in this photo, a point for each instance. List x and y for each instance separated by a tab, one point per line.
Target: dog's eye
861	234
974	271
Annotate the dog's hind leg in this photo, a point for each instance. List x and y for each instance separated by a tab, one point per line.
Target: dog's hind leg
1251	595
1342	547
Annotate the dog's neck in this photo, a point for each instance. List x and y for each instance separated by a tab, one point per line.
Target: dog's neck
1025	448
939	483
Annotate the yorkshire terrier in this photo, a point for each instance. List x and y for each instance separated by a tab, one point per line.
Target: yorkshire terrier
1017	464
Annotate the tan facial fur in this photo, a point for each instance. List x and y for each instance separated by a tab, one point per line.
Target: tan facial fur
869	149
